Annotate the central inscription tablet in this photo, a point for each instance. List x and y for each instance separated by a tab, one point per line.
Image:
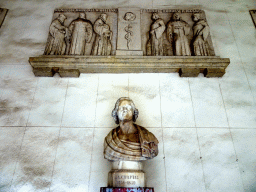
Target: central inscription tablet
129	36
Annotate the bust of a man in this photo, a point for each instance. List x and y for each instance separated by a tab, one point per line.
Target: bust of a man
129	142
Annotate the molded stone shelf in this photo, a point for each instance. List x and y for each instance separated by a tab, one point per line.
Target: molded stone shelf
72	66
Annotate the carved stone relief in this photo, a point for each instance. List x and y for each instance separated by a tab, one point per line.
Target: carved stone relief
161	33
253	14
56	44
152	40
102	43
177	34
3	13
201	33
155	44
82	32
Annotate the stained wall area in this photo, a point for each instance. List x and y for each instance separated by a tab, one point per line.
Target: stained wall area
52	129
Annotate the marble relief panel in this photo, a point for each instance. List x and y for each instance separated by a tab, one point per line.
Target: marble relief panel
81	32
163	32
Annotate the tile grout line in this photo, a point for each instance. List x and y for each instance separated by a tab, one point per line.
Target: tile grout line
250	91
200	153
162	129
227	118
16	163
32	103
65	127
147	127
93	134
192	102
59	135
24	130
241	60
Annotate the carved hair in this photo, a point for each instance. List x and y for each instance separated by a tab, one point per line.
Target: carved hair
103	17
114	112
82	15
174	16
198	15
62	16
155	15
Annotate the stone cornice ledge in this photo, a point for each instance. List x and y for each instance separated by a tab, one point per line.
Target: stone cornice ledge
72	66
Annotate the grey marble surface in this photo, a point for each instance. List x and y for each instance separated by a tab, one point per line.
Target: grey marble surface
52	129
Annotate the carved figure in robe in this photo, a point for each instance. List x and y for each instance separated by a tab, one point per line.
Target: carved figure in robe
177	33
102	44
129	142
81	34
56	44
155	42
201	32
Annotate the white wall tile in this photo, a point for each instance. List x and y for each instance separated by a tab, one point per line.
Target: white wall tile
244	142
145	93
111	88
73	160
238	98
99	166
80	101
207	102
182	160
10	145
176	103
221	170
155	168
48	103
35	165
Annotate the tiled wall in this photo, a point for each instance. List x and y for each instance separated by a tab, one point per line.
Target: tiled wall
52	129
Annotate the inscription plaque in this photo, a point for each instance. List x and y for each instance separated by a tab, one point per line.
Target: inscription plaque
126	179
129	36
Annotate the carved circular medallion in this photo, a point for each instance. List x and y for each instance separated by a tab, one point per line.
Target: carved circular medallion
129	16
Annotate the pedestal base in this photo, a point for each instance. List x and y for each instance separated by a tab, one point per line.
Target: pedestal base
126	174
124	189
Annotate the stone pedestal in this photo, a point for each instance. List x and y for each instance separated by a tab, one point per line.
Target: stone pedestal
126	174
125	189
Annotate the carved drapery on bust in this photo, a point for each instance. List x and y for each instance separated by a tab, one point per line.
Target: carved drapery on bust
129	142
155	45
102	44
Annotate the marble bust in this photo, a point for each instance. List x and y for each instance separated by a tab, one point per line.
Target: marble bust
129	142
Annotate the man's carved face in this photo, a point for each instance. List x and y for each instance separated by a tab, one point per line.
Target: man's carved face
176	16
125	111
